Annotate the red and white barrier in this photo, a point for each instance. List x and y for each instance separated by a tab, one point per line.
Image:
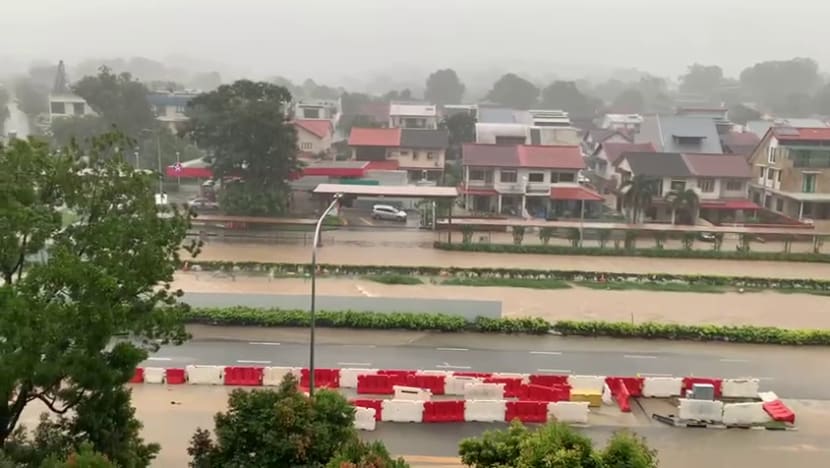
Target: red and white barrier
154	375
484	391
700	410
348	377
485	410
662	387
454	385
205	375
740	388
745	414
411	393
589	383
273	376
402	411
569	411
364	419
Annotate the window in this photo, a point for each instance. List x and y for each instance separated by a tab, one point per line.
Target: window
536	177
734	185
507	140
430	155
311	113
405	154
808	183
771	155
180	108
770	173
706	185
305	146
507	177
414	155
58	107
78	108
678	185
779	204
476	174
561	177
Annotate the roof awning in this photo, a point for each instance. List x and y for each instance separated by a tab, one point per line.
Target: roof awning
575	192
729	205
484	192
193	169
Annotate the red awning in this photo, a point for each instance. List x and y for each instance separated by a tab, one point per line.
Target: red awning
189	172
334	171
729	205
484	192
576	192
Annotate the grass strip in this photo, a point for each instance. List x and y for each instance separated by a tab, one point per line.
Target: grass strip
665	287
394	279
508	283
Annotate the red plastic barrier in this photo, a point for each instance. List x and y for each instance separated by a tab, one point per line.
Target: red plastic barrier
323	378
174	376
374	384
377	405
481	375
621	394
512	385
527	411
689	381
634	385
247	376
778	411
396	372
548	380
138	376
434	383
443	411
398	377
543	393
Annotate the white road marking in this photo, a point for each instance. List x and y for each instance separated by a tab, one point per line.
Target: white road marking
638	356
555	371
447	365
651	374
766	378
245	361
547	353
359	346
263	343
356	364
452	349
154	358
364	291
734	360
366	221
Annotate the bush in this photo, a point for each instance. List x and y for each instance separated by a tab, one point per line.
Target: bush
394	279
508	283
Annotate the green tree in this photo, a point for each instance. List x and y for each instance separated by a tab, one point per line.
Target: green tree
84	457
444	87
630	100
776	83
119	100
359	454
704	80
638	194
244	128
109	273
78	128
462	129
280	428
4	109
683	200
32	97
628	450
566	96
511	90
494	448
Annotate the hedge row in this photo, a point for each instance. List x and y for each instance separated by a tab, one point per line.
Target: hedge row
449	323
651	252
302	270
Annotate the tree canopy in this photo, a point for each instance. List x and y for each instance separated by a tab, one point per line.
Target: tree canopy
283	427
564	95
783	84
444	87
514	91
630	100
244	127
69	288
702	79
119	100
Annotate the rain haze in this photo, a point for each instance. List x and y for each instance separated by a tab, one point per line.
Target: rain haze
339	42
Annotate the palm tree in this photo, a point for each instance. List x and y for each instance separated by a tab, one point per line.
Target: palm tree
638	193
683	200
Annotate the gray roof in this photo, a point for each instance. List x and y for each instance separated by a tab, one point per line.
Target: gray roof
657	164
663	131
760	127
496	115
426	139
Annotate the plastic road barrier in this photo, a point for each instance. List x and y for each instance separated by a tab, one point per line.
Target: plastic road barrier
688	382
207	375
634	385
376	405
364	419
745	414
402	411
411	393
590	383
174	376
511	375
548	380
740	388
443	411
700	410
484	391
527	411
138	376
273	376
323	378
455	384
154	375
779	411
374	384
480	375
243	376
485	410
557	392
662	387
348	377
569	411
512	385
434	383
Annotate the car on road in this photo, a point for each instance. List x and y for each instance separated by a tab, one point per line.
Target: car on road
202	204
388	212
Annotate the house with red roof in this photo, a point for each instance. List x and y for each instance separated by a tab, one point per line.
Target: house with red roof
314	136
420	152
791	173
606	154
525	180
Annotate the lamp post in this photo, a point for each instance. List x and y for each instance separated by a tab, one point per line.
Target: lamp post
316	242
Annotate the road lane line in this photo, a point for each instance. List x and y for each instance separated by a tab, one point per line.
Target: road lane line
638	356
245	361
734	360
447	365
155	358
359	346
547	353
366	222
364	291
652	374
452	349
555	371
263	343
357	364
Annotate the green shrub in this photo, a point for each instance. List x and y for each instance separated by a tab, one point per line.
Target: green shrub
575	236
508	283
689	240
518	234
392	278
467	232
660	239
545	235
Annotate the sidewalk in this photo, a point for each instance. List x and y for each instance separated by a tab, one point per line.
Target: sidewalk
392	251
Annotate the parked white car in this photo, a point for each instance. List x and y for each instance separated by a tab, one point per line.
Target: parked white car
388	212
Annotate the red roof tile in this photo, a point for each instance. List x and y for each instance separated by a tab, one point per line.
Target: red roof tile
613	151
473	154
542	157
375	137
574	192
729	205
319	128
718	165
801	134
385	165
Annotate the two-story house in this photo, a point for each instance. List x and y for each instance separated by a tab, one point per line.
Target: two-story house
629	123
721	182
170	107
68	104
415	116
680	134
500	126
314	137
606	154
317	109
791	173
524	180
422	153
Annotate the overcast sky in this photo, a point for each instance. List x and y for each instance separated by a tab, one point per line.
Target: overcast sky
328	39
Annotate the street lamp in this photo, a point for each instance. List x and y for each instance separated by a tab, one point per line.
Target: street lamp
316	241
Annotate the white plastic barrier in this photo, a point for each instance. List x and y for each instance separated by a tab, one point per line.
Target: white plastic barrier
607	396
484	391
766	397
207	375
485	410
740	388
434	372
569	411
593	383
455	385
411	393
745	413
364	419
272	376
662	387
700	410
511	375
402	411
154	374
348	377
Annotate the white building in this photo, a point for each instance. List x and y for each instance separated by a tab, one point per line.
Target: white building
628	122
170	107
67	105
418	116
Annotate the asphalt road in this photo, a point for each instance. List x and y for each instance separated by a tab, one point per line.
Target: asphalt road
469	309
791	372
